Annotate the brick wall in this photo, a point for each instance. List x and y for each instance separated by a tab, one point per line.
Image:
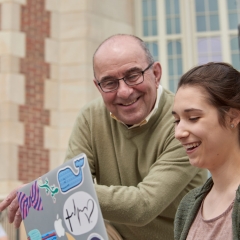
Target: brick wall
33	157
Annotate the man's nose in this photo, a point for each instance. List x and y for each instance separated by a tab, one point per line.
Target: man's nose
181	131
124	90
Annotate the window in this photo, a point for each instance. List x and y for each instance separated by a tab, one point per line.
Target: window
172	16
235	52
233	13
153	48
174	49
207	15
209	50
178	46
149	12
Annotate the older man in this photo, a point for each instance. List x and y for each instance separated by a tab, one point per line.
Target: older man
141	170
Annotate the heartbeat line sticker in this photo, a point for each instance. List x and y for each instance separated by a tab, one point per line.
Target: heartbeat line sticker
80	213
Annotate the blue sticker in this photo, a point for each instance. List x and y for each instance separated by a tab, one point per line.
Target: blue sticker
34	235
67	179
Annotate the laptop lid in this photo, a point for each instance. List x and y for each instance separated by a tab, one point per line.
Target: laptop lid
62	204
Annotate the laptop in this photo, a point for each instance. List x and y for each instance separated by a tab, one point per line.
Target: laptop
62	204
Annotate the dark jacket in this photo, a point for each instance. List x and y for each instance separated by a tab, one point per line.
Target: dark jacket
189	206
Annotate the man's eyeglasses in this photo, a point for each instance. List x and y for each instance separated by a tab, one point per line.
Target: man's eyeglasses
132	79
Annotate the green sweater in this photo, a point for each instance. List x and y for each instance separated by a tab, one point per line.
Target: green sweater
142	173
190	205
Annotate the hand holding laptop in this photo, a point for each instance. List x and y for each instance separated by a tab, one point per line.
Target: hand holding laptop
11	202
65	198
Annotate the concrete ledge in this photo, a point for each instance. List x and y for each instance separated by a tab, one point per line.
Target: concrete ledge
14	1
66	6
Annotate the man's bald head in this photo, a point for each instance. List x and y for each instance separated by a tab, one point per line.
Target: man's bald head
122	37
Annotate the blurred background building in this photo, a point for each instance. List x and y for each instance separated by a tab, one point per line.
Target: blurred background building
46	49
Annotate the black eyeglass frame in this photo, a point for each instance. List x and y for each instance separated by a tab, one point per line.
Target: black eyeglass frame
142	72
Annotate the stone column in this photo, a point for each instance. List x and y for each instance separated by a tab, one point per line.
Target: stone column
77	28
12	92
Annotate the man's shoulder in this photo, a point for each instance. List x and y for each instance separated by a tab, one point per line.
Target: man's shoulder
95	103
167	96
95	106
165	106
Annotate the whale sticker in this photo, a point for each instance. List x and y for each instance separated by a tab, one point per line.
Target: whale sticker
68	179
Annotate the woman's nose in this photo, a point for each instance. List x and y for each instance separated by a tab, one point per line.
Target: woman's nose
181	131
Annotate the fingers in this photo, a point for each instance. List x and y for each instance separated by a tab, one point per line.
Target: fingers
14	214
17	219
12	210
8	200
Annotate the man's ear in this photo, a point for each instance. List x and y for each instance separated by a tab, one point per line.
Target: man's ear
95	83
157	71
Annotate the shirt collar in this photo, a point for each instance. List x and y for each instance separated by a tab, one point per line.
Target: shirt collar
145	121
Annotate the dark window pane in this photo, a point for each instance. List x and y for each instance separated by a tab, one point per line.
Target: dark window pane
232	4
233	20
234	43
169	26
170	48
179	48
168	7
149	17
235	61
145	28
213	5
201	24
172	85
176	7
177	25
200	6
154	27
179	66
154	8
144	8
155	50
214	23
170	67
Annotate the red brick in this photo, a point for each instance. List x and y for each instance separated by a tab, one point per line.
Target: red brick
33	158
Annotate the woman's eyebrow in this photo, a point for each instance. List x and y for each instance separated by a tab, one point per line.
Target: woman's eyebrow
189	110
192	110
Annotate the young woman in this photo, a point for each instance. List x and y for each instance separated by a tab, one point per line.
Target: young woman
207	115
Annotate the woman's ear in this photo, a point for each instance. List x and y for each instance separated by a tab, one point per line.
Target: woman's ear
234	117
